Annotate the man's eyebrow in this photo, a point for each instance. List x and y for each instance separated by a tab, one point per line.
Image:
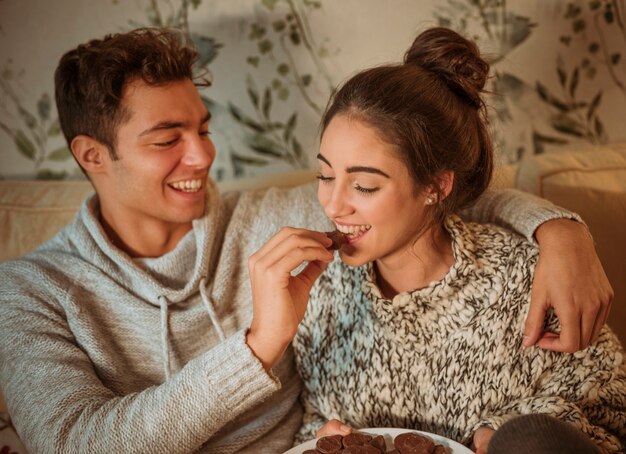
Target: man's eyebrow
356	169
172	125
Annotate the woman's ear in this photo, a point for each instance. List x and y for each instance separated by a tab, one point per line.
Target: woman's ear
445	182
90	154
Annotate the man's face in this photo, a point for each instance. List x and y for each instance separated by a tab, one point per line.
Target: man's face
164	155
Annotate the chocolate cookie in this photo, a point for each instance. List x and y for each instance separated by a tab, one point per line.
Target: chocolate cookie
379	442
440	449
356	439
330	444
361	449
339	239
410	443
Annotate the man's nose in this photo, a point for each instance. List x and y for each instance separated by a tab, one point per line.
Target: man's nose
200	152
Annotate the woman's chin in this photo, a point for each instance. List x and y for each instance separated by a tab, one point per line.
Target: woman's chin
349	256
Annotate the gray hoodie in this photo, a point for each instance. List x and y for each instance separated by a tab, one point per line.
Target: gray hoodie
103	353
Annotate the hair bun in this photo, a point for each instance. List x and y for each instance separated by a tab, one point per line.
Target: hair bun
452	58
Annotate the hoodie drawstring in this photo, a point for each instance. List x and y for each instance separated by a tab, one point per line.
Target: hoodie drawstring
208	304
165	343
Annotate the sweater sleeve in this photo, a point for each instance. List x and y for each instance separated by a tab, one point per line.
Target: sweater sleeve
586	389
59	404
515	210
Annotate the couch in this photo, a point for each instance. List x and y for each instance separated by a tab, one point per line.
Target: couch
591	182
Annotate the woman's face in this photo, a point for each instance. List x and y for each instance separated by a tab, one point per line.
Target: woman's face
367	192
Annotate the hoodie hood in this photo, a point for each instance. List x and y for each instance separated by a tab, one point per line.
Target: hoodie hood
163	281
89	237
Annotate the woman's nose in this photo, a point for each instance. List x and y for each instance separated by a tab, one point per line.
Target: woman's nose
337	205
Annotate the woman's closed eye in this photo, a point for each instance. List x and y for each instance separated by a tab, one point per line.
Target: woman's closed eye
363	189
324	179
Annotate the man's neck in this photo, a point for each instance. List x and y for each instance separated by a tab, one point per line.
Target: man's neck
146	240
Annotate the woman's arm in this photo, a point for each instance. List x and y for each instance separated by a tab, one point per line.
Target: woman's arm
569	276
586	390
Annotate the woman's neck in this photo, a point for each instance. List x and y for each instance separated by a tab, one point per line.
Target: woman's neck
428	259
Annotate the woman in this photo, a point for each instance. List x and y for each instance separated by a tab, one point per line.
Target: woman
419	324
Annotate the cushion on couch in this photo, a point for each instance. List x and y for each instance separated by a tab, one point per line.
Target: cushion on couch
592	183
31	212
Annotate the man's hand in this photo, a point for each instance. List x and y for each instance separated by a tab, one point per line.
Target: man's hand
569	278
280	299
334	427
482	437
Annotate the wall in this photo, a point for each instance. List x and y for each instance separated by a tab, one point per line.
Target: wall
559	73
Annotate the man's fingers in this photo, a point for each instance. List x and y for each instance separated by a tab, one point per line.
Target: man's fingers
568	340
288	238
311	272
535	320
588	323
289	245
603	315
284	264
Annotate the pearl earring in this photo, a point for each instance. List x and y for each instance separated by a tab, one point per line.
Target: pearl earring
430	200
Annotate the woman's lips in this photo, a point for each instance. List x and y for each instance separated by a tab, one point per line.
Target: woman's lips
353	238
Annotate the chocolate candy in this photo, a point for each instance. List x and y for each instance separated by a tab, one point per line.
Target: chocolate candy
379	442
362	443
356	439
329	445
410	443
361	449
339	239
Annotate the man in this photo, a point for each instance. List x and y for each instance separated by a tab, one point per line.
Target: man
132	330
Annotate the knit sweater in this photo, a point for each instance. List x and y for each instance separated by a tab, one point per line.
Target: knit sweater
90	337
448	358
100	352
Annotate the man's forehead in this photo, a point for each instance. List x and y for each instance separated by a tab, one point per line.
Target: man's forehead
171	102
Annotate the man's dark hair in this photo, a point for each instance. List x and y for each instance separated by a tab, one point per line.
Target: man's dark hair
89	80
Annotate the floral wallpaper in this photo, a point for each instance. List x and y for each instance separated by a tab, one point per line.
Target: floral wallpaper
558	76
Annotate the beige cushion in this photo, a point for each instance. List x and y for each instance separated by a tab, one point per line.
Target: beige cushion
591	182
31	212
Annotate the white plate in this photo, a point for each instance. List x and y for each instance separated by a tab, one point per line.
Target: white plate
390	434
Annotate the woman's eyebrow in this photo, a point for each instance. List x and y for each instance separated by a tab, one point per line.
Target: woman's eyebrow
321	157
355	169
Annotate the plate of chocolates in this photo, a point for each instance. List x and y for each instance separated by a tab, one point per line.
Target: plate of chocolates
381	441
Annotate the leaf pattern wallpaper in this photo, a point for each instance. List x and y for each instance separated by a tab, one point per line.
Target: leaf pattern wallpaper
558	70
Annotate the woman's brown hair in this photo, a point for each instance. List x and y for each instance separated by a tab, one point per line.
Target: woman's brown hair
431	109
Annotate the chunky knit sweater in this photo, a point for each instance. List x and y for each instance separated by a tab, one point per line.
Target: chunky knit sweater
103	353
448	358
